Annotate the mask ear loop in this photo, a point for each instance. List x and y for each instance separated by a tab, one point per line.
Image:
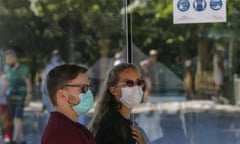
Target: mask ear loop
71	104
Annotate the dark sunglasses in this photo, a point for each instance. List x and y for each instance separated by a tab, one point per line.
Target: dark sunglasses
84	88
131	83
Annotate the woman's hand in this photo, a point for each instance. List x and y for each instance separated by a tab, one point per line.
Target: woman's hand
136	133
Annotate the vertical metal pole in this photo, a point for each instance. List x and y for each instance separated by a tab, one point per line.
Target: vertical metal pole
129	48
128	21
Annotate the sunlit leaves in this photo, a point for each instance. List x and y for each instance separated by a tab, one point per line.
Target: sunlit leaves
53	30
95	8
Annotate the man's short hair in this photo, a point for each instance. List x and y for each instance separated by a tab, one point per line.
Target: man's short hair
10	52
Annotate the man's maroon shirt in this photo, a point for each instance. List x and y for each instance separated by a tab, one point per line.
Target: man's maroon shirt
62	130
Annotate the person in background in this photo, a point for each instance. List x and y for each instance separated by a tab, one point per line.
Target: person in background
55	60
19	92
4	112
118	58
218	75
111	123
69	91
187	80
148	67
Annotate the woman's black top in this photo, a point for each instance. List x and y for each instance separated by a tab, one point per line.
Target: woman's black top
114	129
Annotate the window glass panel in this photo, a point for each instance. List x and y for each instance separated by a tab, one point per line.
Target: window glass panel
45	34
195	78
183	106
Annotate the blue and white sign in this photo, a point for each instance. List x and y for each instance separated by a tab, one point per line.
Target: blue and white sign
183	5
199	11
199	5
216	4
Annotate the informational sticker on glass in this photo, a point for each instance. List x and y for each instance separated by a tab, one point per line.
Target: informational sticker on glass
199	11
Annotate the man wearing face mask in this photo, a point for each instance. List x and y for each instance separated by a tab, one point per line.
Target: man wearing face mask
111	123
70	93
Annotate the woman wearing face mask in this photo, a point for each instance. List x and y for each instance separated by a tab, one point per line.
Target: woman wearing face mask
123	91
69	91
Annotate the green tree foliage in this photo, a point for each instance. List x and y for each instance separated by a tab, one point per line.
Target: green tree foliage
77	25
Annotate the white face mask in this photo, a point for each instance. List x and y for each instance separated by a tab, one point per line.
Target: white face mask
131	96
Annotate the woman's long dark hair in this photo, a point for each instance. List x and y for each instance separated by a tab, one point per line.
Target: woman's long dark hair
106	101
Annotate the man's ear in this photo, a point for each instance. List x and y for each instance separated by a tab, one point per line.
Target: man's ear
61	94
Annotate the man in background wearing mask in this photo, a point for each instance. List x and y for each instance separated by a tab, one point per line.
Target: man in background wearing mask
69	91
19	91
55	60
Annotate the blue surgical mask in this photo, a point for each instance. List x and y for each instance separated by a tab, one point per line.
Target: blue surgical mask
85	104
